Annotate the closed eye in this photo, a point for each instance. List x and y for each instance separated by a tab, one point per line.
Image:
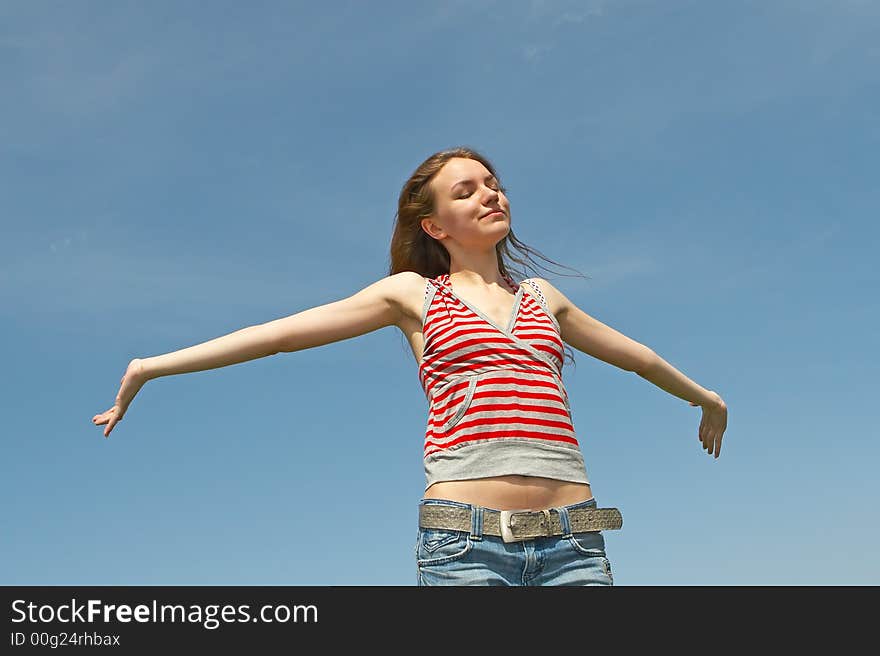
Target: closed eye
499	188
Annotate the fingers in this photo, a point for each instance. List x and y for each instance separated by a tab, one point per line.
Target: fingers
111	423
709	435
104	417
114	415
111	418
711	442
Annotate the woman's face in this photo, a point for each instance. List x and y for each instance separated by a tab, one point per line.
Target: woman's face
467	201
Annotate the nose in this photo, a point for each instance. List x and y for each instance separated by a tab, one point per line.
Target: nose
493	194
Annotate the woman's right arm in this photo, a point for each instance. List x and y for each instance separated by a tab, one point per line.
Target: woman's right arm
376	306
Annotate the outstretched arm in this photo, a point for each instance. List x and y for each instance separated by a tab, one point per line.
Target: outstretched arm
371	308
374	307
603	342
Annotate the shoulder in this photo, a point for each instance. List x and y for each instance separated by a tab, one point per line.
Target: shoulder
407	282
396	290
402	286
556	301
406	291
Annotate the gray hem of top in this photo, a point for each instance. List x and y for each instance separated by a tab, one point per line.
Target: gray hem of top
503	456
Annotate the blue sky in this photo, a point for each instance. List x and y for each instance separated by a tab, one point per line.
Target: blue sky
173	171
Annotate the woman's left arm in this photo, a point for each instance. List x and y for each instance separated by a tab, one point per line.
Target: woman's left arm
604	343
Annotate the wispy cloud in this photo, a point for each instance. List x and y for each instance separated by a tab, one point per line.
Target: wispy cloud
773	257
63	71
77	278
95	90
613	270
557	12
584	12
59	244
618	259
534	52
547	15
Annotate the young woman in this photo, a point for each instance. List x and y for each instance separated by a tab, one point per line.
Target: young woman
507	499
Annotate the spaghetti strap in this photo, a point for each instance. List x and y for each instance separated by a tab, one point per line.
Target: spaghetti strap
543	301
535	286
430	291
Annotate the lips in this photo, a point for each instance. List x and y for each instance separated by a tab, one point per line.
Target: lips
491	212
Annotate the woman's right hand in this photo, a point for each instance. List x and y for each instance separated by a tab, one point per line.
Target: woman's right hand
713	424
132	382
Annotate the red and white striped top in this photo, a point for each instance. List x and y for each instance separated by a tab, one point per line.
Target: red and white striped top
497	403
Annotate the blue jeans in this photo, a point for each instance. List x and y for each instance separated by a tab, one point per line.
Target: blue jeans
445	557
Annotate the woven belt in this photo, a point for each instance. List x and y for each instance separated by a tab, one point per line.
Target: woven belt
515	525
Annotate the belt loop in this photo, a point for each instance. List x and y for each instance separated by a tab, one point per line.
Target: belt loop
477	522
564	522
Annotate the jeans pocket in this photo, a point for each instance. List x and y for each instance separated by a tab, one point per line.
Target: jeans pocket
590	543
436	546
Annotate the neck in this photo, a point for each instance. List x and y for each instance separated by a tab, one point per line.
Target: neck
477	271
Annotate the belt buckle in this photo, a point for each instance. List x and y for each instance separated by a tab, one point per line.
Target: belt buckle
507	531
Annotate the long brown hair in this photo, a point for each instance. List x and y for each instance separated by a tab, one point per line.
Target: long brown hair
413	249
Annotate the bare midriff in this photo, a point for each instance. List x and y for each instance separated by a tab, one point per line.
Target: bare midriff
512	492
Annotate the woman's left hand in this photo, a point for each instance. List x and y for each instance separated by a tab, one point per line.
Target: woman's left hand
713	424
